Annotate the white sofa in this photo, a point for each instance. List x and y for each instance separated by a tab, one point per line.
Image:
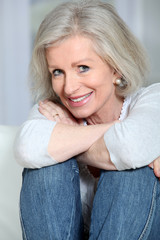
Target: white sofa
10	184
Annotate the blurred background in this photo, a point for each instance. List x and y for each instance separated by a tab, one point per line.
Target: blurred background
19	21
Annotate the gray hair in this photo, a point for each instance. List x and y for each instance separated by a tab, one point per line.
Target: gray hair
112	41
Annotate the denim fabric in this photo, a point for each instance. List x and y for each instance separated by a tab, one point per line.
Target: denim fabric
126	205
50	203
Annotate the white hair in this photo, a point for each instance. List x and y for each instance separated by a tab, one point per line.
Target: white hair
111	38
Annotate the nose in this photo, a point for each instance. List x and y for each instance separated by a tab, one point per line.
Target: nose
71	85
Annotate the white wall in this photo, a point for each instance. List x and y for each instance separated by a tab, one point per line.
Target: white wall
152	35
143	18
131	12
14	58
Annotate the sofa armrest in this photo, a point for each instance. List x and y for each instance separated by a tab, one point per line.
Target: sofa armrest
10	183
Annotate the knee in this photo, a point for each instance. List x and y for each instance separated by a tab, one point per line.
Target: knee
124	195
116	184
61	173
142	176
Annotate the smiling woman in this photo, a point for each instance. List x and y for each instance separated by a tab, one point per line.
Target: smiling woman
94	132
83	81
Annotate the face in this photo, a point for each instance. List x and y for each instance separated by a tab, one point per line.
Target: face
82	80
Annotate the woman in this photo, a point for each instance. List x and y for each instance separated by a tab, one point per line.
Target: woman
90	68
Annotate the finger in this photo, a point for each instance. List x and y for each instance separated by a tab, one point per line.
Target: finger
46	113
151	165
49	112
45	101
50	108
42	102
56	118
61	110
57	112
156	164
54	107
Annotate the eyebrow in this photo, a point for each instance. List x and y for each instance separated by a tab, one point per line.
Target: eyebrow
74	63
82	60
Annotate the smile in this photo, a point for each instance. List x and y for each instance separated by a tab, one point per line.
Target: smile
80	98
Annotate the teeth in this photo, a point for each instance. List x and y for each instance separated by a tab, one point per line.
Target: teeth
81	98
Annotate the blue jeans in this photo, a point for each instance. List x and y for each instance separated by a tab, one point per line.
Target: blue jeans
126	205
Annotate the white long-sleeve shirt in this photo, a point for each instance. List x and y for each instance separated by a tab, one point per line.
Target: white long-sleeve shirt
132	143
135	142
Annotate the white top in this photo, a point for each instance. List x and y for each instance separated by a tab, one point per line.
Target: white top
132	143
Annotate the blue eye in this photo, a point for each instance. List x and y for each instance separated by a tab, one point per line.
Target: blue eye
57	72
83	68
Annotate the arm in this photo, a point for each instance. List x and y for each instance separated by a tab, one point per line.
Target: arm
118	138
75	137
97	151
42	142
135	141
132	143
32	139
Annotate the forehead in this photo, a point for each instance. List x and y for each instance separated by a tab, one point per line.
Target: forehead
77	46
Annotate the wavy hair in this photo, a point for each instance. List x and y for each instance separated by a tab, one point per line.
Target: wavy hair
112	41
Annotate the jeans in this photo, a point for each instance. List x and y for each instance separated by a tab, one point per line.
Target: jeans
126	205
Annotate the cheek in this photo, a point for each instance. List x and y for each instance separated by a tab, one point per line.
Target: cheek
103	77
104	87
101	82
54	86
57	87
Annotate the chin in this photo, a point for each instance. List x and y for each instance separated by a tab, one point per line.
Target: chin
80	115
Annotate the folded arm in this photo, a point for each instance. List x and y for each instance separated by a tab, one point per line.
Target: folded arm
135	141
131	143
41	142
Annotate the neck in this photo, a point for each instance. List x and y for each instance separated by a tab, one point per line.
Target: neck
109	113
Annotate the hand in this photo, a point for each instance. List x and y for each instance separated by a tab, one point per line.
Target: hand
97	156
58	113
156	167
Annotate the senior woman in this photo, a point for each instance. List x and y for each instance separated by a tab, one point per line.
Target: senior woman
94	136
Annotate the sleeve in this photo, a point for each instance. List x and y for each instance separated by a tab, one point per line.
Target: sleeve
135	142
32	140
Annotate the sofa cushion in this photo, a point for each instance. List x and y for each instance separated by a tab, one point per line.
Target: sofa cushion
10	183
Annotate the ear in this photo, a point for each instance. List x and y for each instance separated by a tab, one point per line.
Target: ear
116	75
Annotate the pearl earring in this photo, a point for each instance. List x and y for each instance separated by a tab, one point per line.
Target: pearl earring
118	81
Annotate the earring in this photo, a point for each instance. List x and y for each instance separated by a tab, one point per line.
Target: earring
118	81
121	83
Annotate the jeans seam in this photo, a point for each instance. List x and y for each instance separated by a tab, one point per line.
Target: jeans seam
75	172
150	213
20	215
70	227
46	218
22	225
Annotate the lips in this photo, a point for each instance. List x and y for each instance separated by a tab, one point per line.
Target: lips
79	99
